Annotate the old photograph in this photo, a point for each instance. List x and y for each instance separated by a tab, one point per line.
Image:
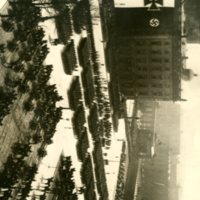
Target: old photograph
99	99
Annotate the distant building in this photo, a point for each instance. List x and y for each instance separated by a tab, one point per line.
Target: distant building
159	174
145	47
145	144
192	23
148	114
155	176
146	139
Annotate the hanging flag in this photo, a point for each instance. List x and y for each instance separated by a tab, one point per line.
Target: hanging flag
168	3
153	5
130	3
158	2
150	4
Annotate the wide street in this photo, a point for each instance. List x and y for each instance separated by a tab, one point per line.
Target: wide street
132	162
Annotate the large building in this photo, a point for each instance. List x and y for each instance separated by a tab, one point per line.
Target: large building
145	46
160	175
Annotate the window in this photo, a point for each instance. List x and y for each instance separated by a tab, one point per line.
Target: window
141	85
146	124
128	92
142	93
156	42
167	85
124	48
167	94
154	93
159	77
141	76
156	60
141	42
166	60
153	76
157	68
157	93
167	77
129	68
166	52
167	43
127	84
157	85
125	61
166	68
149	110
140	51
141	68
141	60
156	52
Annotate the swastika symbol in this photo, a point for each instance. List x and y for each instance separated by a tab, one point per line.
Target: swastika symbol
154	22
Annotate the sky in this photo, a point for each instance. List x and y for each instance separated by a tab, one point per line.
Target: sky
190	126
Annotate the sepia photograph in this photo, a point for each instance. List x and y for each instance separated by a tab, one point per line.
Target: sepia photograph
99	99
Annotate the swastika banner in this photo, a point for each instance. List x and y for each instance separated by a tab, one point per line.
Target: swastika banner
144	3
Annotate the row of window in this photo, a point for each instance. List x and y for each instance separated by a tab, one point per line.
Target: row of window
153	68
153	42
155	94
153	60
132	92
143	69
152	76
141	61
146	125
142	53
154	85
147	84
152	51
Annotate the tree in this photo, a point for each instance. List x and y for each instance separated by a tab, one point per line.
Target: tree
29	73
80	15
2	48
11	45
6	99
10	82
41	152
48	141
28	106
20	34
64	186
23	88
20	148
7	25
33	125
37	138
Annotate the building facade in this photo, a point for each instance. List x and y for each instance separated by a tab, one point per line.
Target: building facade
146	128
159	174
145	47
